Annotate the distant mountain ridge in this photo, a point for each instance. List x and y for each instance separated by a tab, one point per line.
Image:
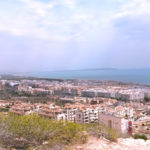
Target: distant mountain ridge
90	69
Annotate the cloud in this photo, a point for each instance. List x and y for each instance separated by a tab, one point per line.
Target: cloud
56	20
67	20
39	7
37	19
60	34
136	8
132	21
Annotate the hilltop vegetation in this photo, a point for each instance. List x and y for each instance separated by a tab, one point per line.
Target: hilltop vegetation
29	131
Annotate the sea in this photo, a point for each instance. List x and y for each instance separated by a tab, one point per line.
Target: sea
139	76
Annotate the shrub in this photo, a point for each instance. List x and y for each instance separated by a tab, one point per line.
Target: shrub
138	136
34	130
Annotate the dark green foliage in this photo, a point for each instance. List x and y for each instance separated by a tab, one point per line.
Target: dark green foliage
147	99
138	136
32	130
4	109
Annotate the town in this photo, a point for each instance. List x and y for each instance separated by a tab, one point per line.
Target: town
121	106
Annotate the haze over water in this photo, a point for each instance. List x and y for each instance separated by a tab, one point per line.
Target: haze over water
39	35
141	76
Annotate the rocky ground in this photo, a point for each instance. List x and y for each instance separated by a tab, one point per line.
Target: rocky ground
122	144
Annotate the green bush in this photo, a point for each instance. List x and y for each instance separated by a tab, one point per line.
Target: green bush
138	136
34	130
147	99
22	132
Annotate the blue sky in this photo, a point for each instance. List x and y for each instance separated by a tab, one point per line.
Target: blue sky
39	35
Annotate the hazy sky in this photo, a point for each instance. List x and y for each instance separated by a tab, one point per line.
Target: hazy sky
38	35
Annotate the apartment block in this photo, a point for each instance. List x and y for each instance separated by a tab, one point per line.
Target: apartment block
87	115
121	125
22	109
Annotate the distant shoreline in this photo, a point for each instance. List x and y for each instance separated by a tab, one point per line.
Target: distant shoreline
23	77
136	76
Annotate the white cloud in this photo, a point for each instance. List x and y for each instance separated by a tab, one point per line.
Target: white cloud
42	8
37	20
69	3
39	7
56	31
42	20
135	8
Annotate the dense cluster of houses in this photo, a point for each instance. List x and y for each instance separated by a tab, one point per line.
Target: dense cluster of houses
87	102
124	118
4	104
131	93
125	94
81	88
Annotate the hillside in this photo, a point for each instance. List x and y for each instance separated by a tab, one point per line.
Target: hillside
122	144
